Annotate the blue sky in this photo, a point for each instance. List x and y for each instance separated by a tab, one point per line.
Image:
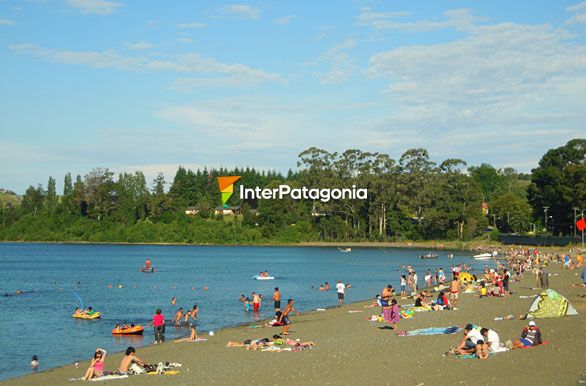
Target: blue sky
148	85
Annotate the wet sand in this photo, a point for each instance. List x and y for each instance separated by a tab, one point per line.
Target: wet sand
353	351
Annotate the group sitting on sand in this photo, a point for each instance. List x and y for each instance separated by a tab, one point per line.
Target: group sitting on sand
96	369
483	341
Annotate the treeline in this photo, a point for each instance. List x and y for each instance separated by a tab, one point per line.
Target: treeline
409	198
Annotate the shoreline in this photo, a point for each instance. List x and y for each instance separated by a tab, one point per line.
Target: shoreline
221	330
351	350
468	246
432	244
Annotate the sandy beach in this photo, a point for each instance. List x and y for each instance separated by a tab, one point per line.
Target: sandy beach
351	350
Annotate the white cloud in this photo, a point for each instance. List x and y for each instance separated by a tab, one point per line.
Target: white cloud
237	11
141	46
284	20
192	25
341	66
7	22
98	7
185	63
579	7
185	40
459	19
496	63
578	12
512	88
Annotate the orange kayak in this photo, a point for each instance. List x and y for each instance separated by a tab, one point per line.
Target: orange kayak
136	330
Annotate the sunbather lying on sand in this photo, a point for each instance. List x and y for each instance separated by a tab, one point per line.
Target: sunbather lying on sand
250	344
278	340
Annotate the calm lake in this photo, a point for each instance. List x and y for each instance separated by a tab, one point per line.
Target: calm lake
39	321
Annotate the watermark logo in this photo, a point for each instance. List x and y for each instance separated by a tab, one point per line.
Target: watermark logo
324	194
226	184
304	193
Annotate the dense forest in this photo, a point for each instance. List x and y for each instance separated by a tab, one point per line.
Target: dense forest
411	198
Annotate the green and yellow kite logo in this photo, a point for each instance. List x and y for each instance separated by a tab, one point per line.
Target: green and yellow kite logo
226	184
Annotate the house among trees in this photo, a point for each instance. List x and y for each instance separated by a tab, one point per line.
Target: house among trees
229	211
191	211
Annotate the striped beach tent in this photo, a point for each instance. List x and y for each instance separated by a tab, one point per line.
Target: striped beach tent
550	304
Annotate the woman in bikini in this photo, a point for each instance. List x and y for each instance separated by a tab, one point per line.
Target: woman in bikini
96	368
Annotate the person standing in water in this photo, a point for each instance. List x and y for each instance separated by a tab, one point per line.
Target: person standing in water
277	299
255	301
147	263
35	364
159	324
341	289
192	314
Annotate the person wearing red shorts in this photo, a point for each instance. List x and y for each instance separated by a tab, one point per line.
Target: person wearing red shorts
255	301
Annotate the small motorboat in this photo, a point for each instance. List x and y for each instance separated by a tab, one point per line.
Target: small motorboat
345	250
147	270
483	256
95	315
136	330
429	255
258	277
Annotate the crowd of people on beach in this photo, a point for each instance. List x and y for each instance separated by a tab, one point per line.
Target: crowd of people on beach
477	341
439	294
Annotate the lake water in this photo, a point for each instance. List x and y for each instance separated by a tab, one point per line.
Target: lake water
39	322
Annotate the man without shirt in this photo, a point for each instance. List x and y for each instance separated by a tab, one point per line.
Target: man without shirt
128	360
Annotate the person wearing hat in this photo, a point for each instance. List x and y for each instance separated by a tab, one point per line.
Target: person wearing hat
531	336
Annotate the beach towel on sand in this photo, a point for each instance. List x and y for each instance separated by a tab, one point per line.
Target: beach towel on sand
103	378
432	331
473	356
195	341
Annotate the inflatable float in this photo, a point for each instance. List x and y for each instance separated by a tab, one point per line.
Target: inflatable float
264	277
95	315
147	270
136	330
483	256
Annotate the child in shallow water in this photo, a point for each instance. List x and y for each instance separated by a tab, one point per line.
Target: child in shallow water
35	364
